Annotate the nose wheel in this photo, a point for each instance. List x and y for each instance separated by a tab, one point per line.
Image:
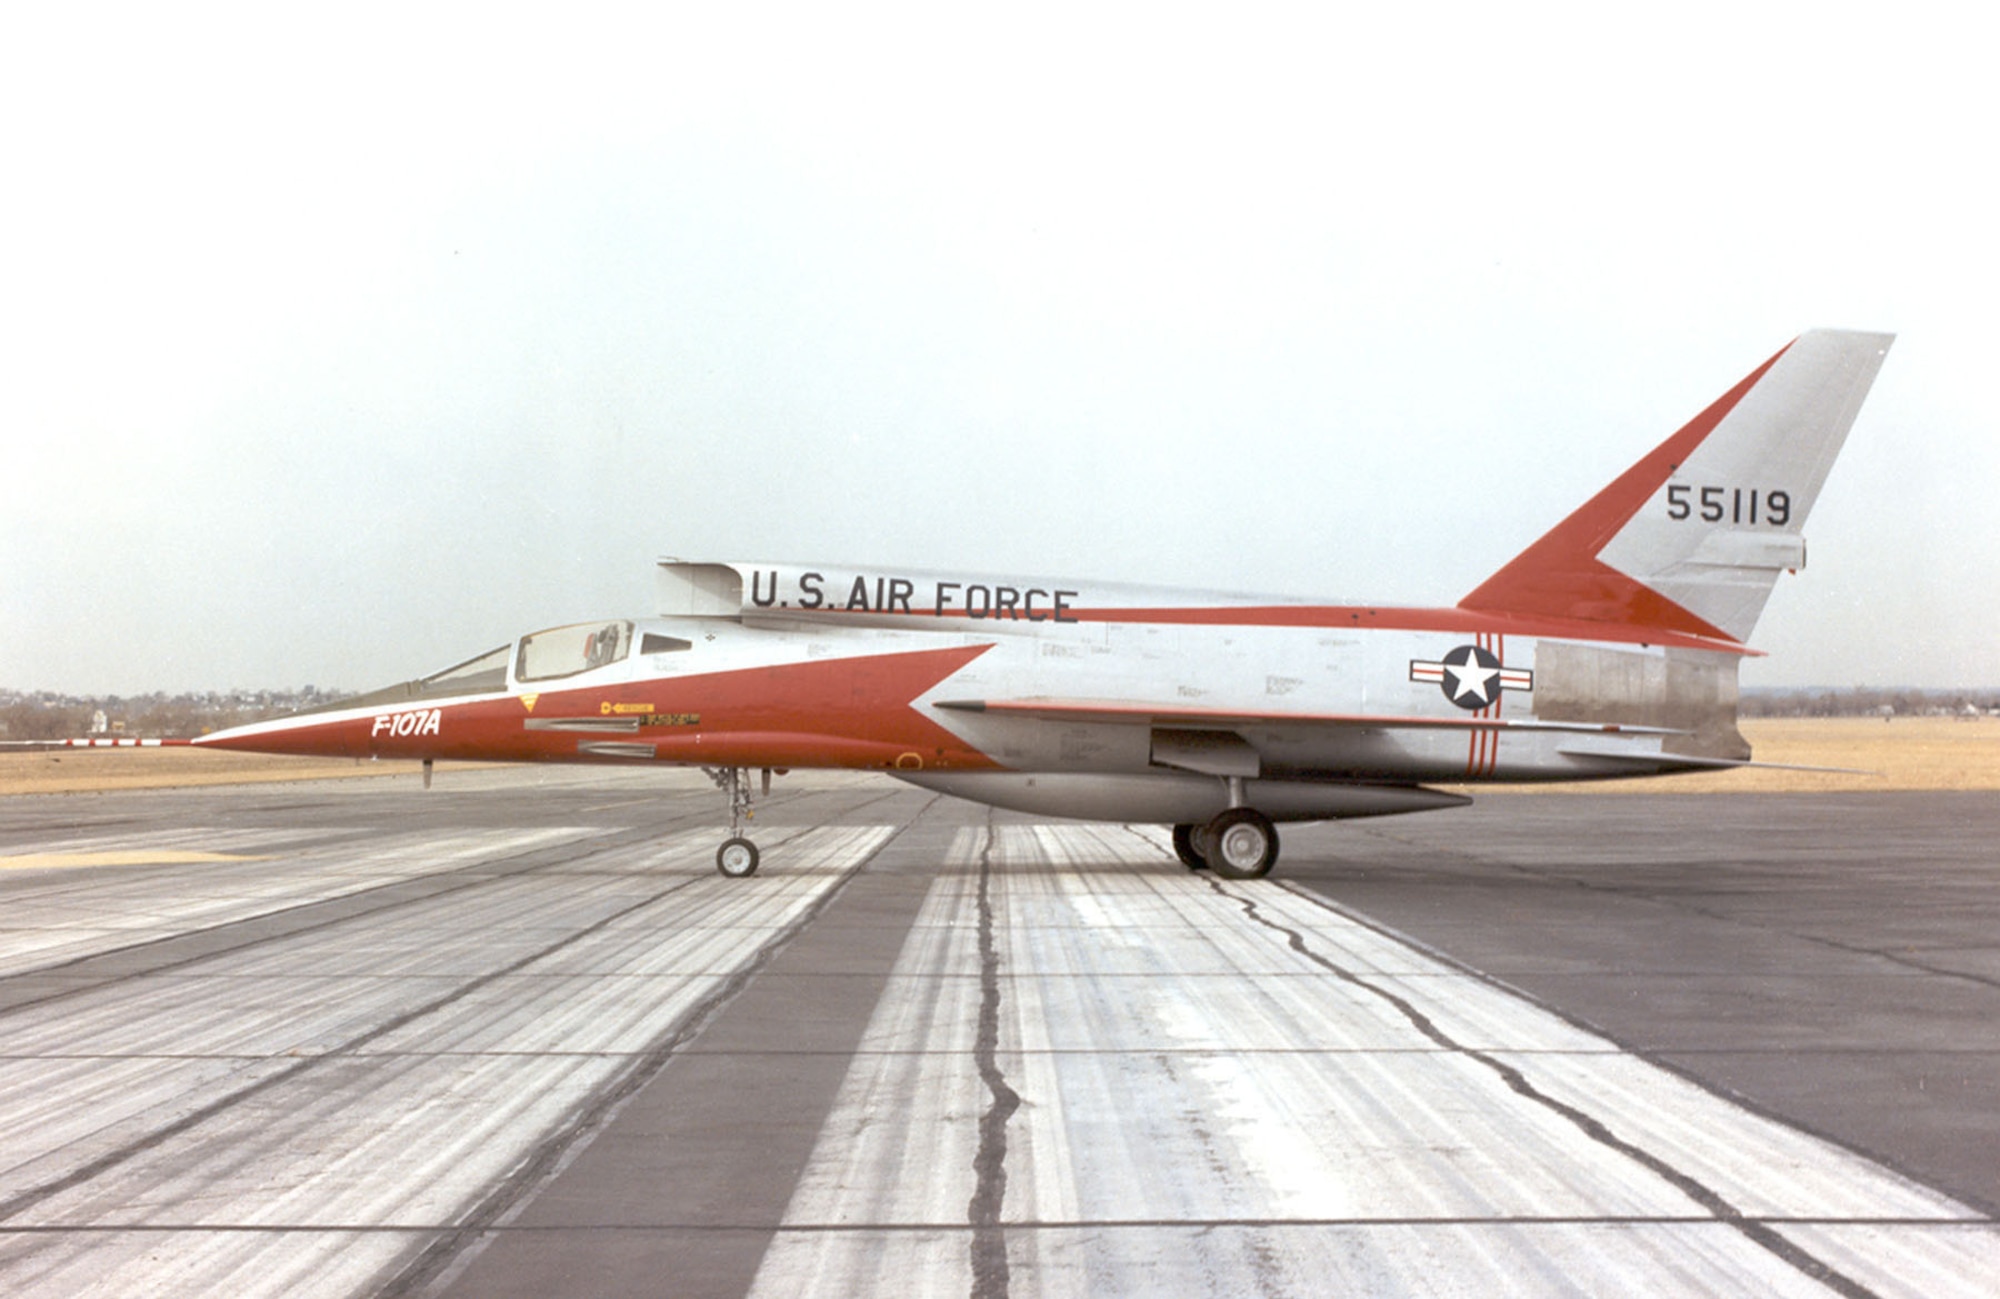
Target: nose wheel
737	857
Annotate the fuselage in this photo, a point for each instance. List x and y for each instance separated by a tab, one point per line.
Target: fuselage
1609	647
962	682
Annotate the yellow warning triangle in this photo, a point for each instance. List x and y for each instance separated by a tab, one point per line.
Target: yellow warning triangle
528	702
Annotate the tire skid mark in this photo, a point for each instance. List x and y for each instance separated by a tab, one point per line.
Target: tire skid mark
27	1199
440	1261
176	951
472	876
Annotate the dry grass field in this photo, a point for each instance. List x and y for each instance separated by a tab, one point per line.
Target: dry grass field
77	771
1914	753
1905	754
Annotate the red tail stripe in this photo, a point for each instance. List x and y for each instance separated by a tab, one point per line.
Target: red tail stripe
1560	576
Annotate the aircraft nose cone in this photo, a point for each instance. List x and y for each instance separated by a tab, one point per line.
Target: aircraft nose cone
299	734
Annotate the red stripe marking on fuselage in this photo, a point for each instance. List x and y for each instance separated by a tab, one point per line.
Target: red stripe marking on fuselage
1483	745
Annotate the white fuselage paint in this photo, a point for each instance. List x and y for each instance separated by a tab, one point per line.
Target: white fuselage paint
1260	671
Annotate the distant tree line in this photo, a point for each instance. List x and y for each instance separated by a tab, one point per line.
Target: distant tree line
48	715
1865	701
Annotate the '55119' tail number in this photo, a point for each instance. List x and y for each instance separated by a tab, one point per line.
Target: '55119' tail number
1736	504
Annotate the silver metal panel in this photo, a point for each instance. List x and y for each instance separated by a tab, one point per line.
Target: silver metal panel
1173	799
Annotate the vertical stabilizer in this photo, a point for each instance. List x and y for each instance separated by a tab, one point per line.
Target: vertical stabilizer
1692	537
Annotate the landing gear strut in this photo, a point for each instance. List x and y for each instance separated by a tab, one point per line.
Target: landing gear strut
737	857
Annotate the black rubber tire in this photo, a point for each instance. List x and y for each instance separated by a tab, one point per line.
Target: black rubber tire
1184	841
737	858
1243	844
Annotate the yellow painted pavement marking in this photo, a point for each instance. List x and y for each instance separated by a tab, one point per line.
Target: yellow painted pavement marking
119	857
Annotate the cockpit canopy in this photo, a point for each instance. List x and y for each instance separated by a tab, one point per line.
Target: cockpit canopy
474	676
566	651
539	656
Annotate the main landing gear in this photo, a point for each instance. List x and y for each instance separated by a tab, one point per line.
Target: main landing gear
737	857
1240	844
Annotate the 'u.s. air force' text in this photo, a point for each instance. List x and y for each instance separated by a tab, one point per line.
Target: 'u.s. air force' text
865	594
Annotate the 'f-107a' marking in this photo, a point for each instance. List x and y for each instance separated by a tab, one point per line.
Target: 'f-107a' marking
424	721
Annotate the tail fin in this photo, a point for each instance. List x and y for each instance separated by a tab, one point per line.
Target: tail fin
1692	538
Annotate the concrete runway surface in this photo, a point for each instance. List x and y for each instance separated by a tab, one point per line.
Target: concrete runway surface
516	1037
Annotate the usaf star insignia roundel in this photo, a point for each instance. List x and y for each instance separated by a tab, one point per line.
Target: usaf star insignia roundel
1471	677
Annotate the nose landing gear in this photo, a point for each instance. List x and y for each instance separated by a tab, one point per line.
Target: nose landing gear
737	857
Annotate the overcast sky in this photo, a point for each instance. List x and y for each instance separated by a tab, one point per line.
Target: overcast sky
342	345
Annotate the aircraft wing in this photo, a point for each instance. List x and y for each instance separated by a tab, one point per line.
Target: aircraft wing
1090	710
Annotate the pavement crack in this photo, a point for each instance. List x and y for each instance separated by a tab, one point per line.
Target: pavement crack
989	1165
1592	1127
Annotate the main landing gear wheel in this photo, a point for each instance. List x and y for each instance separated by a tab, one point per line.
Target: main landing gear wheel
1186	847
1242	844
736	858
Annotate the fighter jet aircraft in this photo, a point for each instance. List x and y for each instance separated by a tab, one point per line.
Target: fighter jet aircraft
1608	648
